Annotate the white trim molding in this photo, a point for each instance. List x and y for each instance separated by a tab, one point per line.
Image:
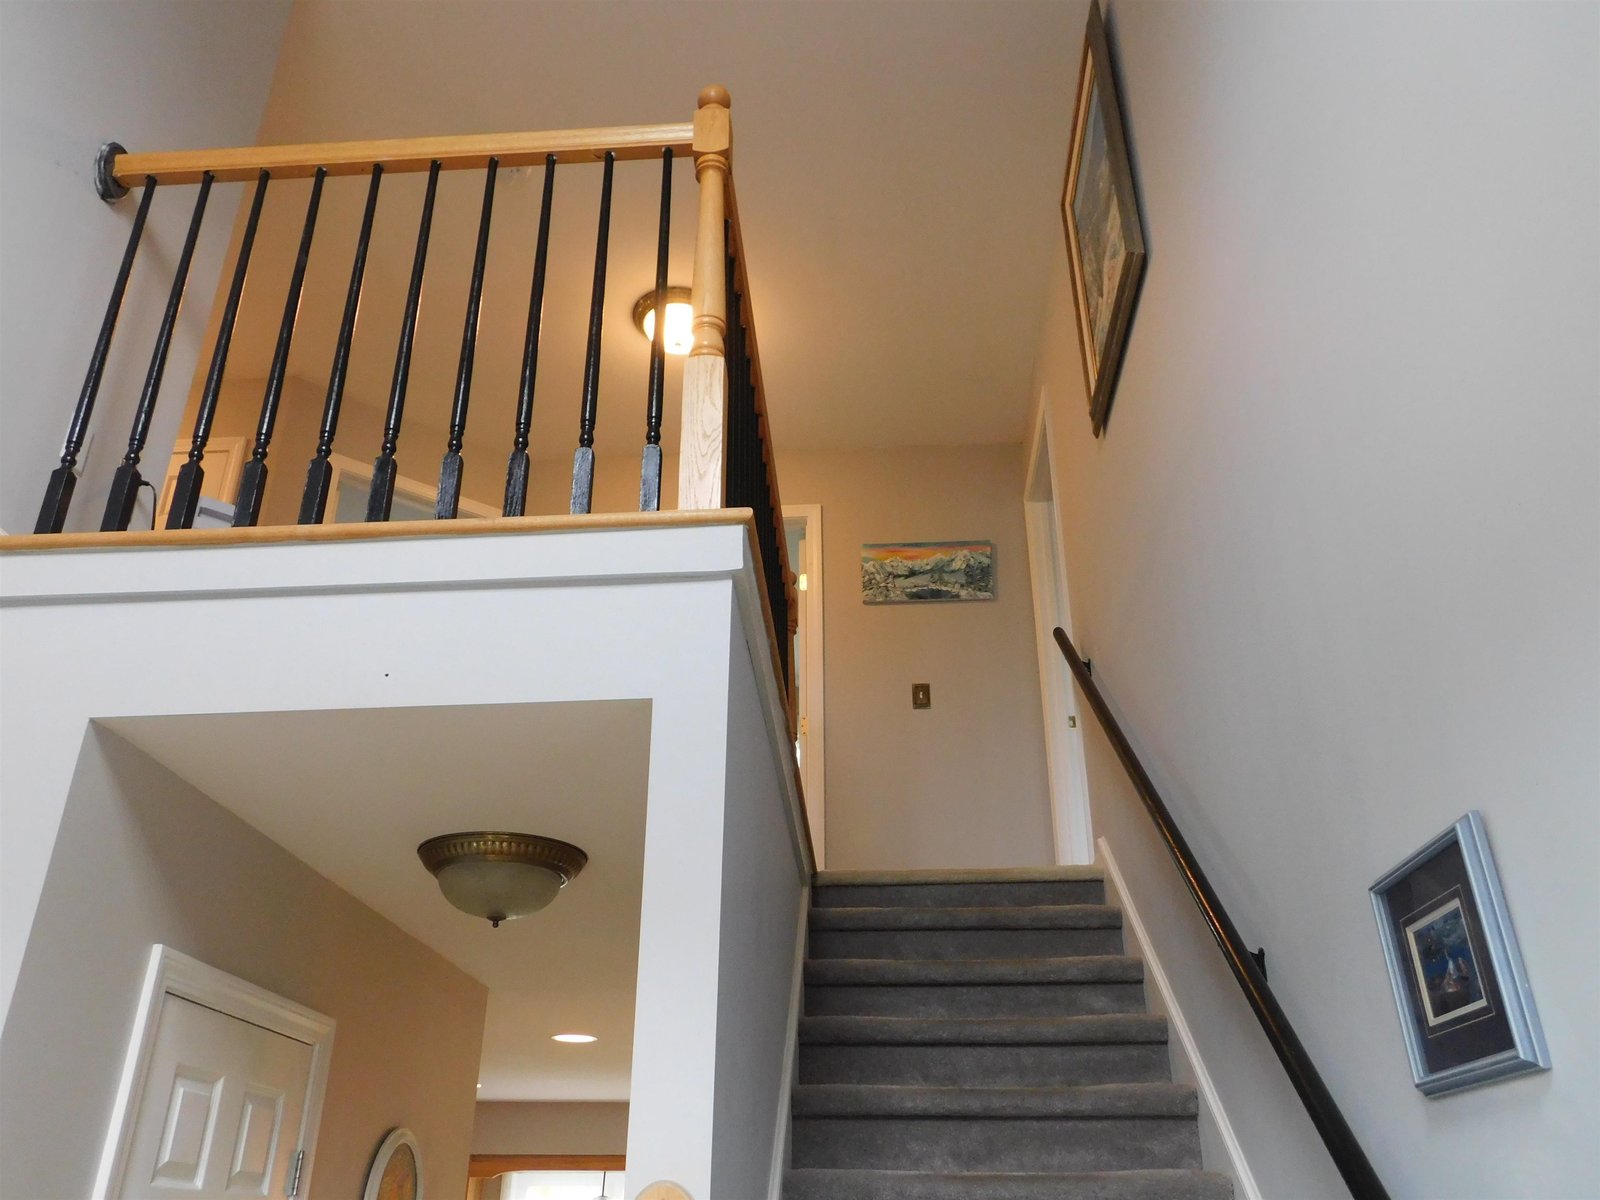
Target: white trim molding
813	686
1210	1099
170	973
797	1000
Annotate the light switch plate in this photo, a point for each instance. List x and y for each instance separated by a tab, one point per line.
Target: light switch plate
921	696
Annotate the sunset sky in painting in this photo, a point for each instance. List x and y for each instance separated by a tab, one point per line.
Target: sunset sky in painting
912	551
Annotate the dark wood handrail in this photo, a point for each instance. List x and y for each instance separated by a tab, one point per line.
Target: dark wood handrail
1336	1133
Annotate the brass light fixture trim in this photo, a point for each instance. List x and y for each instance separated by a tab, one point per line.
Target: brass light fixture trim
485	853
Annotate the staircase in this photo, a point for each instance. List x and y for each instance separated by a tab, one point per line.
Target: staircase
981	1035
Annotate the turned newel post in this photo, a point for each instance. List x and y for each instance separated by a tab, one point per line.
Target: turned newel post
702	468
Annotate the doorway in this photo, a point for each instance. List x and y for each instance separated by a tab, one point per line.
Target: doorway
221	1089
1069	781
802	526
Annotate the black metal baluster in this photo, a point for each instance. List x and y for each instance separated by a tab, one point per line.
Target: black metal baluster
319	475
650	466
58	492
381	498
736	480
583	457
126	482
449	498
253	479
192	475
516	501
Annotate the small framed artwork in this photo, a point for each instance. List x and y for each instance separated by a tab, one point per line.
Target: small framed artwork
1105	235
1466	1009
396	1172
912	572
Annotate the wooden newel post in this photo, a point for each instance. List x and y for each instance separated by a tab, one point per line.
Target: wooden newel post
702	457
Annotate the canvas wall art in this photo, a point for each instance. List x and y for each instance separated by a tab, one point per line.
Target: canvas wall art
1105	235
1466	1009
909	572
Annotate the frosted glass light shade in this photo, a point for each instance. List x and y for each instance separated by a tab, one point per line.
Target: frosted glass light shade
500	876
678	336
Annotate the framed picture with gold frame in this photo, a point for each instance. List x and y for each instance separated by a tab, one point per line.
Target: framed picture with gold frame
1100	210
396	1172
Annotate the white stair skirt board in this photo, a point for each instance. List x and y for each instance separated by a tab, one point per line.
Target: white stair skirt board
797	997
1212	1113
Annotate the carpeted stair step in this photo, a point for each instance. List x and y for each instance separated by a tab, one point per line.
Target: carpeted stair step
1026	1052
825	1184
1032	885
927	931
1028	987
1108	1127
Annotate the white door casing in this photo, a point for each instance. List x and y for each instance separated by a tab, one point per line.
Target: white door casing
1063	737
812	727
221	1089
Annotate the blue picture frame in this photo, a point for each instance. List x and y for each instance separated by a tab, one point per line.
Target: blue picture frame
1460	987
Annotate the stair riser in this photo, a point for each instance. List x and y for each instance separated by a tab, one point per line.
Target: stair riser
1029	1144
984	1066
1006	1000
960	895
1122	1185
946	944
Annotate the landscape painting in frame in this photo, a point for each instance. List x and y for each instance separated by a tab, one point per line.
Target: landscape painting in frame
1105	237
913	572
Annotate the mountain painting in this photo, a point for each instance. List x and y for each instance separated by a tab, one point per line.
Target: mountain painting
909	572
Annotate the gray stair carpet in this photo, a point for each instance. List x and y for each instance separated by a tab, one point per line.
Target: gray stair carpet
981	1035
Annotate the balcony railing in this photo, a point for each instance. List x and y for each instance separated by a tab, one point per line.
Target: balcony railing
725	457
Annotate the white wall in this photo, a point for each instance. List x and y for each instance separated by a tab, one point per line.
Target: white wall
764	896
1336	557
156	75
144	858
439	620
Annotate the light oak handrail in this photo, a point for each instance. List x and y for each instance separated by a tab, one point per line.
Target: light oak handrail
456	153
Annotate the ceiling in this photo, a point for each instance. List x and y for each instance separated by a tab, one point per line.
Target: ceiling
898	168
352	792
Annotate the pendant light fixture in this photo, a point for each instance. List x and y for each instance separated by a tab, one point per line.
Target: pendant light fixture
500	876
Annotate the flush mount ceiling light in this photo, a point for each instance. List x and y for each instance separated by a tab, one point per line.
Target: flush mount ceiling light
574	1039
500	876
678	336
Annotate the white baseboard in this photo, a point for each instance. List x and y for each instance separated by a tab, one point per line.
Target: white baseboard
780	1136
1210	1100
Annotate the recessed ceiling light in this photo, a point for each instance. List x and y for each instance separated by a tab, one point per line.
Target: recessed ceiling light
480	1087
575	1039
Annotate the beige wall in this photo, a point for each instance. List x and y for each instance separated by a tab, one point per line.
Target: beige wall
961	784
143	857
1335	558
509	1127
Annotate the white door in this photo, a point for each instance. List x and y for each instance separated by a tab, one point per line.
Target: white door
1069	780
221	1109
